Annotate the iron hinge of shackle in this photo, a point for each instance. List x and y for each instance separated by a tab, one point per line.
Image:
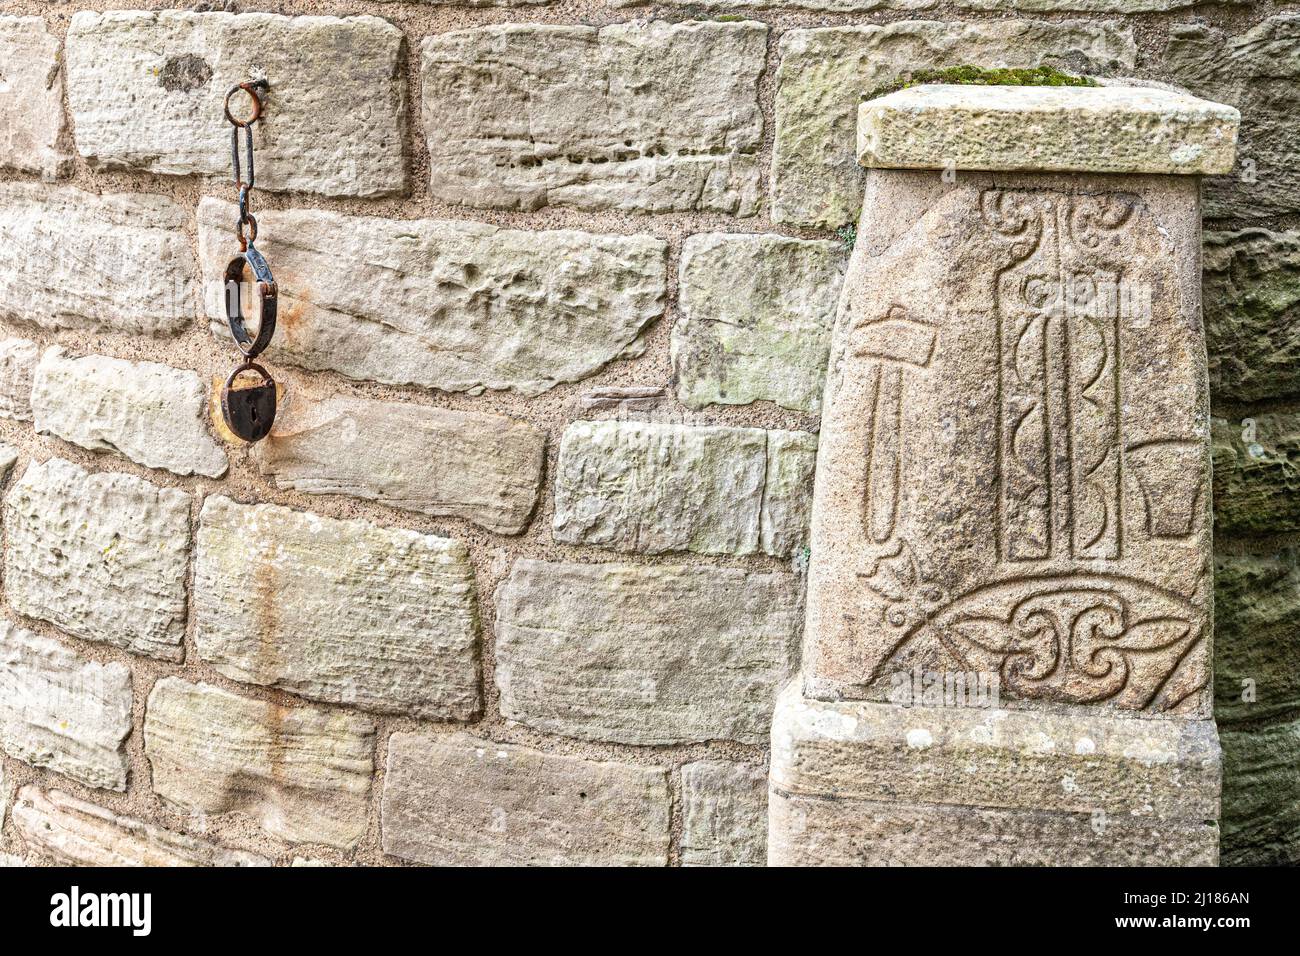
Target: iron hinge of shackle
249	410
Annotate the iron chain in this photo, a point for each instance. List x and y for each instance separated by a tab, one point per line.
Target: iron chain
249	411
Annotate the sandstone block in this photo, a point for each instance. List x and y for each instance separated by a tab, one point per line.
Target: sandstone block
102	556
32	125
1257	474
457	306
1261	795
484	468
787	505
302	773
72	832
66	265
756	318
639	116
653	488
1111	129
724	814
458	800
881	784
1257	71
1251	296
642	654
60	711
1256	650
339	611
146	90
150	413
18	358
825	72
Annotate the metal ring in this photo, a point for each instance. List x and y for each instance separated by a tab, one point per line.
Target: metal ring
246	241
267	296
248	88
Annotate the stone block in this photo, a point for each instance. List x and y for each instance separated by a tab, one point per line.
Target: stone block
340	611
630	117
862	783
645	654
457	306
146	88
458	800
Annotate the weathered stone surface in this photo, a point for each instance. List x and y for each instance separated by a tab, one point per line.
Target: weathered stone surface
60	711
1252	313
868	783
1257	474
64	267
1112	129
459	800
146	91
642	654
18	358
8	458
103	556
458	306
302	773
825	72
1256	637
484	468
340	611
787	500
150	413
652	488
1259	73
755	319
72	832
996	490
32	125
649	117
1261	796
724	814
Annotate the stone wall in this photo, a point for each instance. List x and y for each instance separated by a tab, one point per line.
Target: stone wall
519	575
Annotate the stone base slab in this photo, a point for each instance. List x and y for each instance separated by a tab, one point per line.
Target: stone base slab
871	784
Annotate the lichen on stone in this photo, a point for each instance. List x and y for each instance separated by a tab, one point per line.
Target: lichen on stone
982	76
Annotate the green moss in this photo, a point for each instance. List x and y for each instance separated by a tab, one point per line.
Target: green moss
983	76
848	235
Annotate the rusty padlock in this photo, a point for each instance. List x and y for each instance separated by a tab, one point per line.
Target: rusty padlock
249	410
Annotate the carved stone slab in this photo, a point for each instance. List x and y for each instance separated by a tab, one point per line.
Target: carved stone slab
1014	467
